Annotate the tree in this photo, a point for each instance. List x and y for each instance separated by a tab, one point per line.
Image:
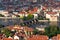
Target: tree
30	16
35	31
1	15
40	17
51	31
1	26
24	18
7	32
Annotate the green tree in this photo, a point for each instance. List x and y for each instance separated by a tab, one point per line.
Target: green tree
30	16
51	31
35	31
6	31
1	26
24	18
1	15
40	18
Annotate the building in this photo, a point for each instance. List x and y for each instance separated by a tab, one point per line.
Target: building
56	37
53	17
38	37
18	28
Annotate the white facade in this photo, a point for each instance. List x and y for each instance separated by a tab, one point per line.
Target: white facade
56	10
16	38
22	15
52	17
15	12
35	15
5	13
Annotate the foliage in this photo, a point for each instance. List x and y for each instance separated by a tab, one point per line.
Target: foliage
1	15
6	32
51	31
22	24
47	19
1	26
28	17
40	17
24	18
35	31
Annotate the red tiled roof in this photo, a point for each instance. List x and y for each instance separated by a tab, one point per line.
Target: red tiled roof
22	12
38	37
58	37
1	34
35	9
15	27
23	35
31	12
20	28
28	29
44	8
54	38
0	39
7	39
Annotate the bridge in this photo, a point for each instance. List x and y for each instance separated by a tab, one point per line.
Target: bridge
35	22
16	20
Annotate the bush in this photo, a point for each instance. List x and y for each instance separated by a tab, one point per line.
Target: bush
35	31
28	17
1	15
6	32
51	31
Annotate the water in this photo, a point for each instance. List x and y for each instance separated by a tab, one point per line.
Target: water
10	21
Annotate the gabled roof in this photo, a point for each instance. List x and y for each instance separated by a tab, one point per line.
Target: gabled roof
38	37
54	38
25	28
7	39
44	8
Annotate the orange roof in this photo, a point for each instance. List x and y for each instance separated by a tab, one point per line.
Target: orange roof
15	27
23	35
44	8
35	9
7	39
22	12
0	39
31	12
54	38
58	36
20	28
28	29
38	37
